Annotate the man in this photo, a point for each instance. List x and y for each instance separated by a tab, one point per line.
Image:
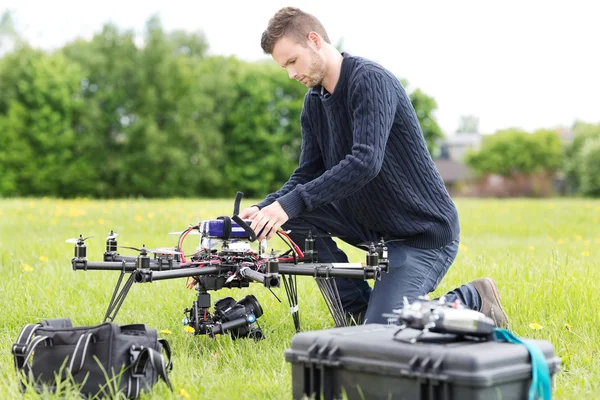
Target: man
364	173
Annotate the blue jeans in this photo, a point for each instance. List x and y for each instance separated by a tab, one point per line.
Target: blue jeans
412	272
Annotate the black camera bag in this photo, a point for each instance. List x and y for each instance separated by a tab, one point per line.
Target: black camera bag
101	360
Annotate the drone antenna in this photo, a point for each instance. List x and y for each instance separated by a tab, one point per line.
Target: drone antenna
236	204
241	222
272	292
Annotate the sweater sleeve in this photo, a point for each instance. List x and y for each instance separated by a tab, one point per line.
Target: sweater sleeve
371	108
310	165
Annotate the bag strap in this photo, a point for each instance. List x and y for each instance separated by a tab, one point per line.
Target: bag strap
76	360
80	352
19	349
26	343
138	369
26	367
167	348
540	373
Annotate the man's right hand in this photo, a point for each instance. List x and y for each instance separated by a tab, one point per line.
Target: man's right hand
248	212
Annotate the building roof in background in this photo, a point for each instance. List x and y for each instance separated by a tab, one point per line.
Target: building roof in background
463	139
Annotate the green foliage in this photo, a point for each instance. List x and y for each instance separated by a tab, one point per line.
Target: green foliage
576	156
40	105
513	150
262	132
468	124
425	107
546	150
590	169
9	37
165	140
108	87
157	123
121	116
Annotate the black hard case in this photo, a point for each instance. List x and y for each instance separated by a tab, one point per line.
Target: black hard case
369	362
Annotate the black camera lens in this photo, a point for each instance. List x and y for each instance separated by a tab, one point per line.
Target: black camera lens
250	303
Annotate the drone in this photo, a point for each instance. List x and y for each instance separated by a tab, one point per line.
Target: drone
441	316
226	258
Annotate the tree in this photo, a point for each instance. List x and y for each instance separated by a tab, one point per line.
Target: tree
170	148
425	107
40	152
262	129
468	124
584	135
512	150
109	88
9	37
590	169
153	112
115	116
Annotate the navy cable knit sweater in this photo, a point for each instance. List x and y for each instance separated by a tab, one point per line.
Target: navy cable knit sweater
363	149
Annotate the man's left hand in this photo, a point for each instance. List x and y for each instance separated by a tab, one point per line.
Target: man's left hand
268	221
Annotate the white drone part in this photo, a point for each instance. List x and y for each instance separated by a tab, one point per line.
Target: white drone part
347	265
114	235
263	246
164	251
72	240
405	306
464	319
208	243
239	246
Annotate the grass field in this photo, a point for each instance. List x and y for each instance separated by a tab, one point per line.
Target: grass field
542	253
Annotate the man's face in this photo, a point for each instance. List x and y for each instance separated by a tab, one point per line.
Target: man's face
303	64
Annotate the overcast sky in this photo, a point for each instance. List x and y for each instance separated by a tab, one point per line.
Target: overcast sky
527	64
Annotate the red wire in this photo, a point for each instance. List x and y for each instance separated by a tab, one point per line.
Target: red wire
200	264
294	245
183	262
180	244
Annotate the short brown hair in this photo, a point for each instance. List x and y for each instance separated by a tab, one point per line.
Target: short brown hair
291	22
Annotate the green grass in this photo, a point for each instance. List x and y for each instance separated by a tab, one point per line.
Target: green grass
542	253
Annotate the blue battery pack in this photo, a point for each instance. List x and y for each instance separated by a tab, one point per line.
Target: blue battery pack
214	228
